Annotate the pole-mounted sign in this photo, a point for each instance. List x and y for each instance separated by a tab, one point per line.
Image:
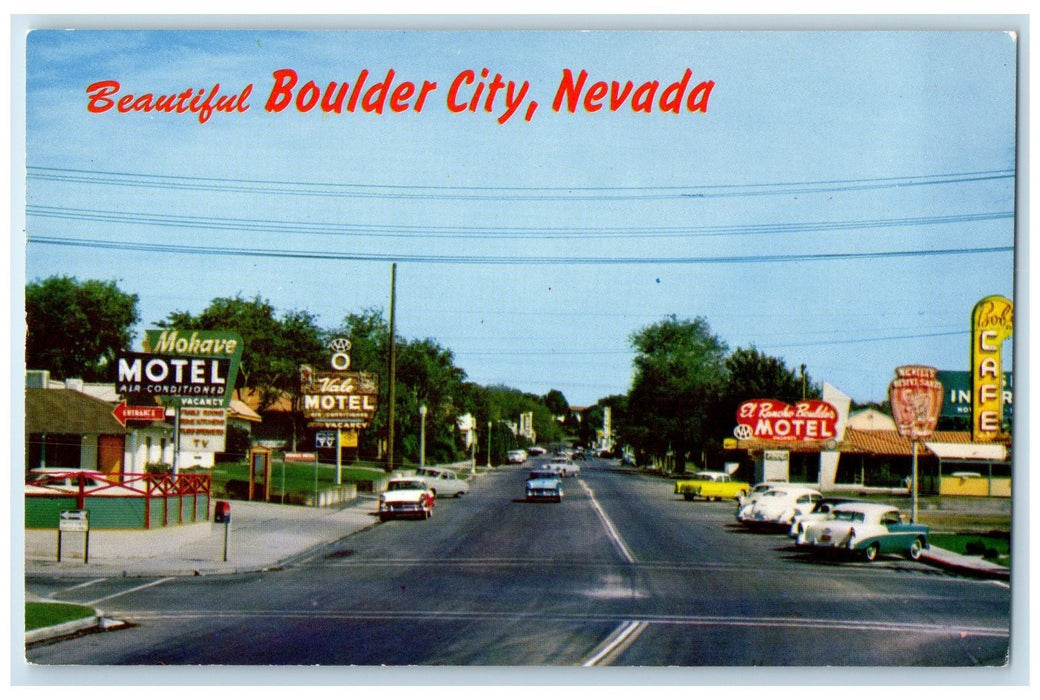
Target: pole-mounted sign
916	397
992	322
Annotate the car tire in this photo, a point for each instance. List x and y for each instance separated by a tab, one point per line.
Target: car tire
916	547
687	496
871	551
383	517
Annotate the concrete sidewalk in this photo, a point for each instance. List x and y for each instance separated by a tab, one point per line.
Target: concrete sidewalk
260	536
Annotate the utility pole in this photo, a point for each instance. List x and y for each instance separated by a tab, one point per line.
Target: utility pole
392	373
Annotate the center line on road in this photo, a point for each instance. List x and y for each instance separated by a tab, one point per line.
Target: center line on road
617	642
611	530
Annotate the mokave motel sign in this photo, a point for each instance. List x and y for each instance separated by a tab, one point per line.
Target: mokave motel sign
992	322
183	367
916	396
770	419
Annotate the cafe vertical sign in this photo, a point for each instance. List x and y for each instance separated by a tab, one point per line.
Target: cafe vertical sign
992	322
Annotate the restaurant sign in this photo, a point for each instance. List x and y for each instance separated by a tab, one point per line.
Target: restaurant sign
769	419
916	396
992	322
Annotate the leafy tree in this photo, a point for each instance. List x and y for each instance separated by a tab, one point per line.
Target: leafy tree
752	374
75	329
556	402
679	376
426	375
273	348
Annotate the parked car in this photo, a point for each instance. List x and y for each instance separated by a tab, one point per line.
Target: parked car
543	485
821	511
516	456
865	529
406	497
756	492
444	482
536	450
712	485
564	466
779	505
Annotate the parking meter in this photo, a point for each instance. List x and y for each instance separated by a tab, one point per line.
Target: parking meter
222	512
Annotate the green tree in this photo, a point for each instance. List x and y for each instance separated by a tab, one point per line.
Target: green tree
752	374
273	347
426	375
75	329
679	375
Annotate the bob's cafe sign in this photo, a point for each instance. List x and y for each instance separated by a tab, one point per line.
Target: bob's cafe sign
769	419
992	322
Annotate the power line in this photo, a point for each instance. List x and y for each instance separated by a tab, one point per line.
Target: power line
469	232
492	260
514	193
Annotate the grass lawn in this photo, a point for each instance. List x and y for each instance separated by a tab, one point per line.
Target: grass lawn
992	548
39	615
292	478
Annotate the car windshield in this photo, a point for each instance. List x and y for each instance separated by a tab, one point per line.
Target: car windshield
542	475
406	486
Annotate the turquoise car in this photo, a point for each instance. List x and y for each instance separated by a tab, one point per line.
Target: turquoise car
867	530
543	485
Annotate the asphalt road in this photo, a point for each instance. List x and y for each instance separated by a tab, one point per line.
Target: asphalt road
621	573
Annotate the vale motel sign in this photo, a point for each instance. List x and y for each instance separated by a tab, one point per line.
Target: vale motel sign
769	419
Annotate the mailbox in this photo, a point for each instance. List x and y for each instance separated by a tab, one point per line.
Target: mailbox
222	512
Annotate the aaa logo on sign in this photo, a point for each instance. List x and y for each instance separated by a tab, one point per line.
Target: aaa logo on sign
769	419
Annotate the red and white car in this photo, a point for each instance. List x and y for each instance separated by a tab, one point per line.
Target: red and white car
406	498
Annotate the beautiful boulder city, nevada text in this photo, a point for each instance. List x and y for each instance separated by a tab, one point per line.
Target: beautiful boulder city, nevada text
469	91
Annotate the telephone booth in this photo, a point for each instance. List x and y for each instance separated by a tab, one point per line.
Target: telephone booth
259	474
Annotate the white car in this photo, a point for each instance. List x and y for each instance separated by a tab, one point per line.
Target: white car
779	505
865	529
563	466
516	456
821	511
756	492
407	498
443	482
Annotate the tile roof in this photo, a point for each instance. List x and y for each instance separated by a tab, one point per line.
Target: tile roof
865	442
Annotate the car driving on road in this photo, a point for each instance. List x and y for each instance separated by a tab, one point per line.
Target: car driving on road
406	498
543	485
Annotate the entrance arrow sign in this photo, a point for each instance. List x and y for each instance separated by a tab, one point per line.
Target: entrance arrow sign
123	413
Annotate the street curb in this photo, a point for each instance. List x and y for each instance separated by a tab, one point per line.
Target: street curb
967	566
64	629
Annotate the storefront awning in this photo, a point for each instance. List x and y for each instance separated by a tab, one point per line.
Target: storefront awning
982	452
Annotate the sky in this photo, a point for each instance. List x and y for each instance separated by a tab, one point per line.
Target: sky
838	199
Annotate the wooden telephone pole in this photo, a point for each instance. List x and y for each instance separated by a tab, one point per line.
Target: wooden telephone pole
393	374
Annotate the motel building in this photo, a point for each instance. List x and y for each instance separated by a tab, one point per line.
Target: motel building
867	454
71	425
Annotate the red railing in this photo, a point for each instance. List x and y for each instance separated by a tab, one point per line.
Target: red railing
56	482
